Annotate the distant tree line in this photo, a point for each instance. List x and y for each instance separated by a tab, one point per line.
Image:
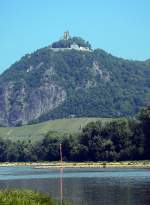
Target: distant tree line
120	139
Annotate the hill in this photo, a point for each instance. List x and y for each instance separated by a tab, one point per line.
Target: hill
67	79
37	131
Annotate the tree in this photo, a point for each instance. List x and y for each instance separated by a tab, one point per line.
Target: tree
3	150
144	117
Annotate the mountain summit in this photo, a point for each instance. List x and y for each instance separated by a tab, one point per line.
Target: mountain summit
69	43
68	78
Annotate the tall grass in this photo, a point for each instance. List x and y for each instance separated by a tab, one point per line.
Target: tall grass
26	197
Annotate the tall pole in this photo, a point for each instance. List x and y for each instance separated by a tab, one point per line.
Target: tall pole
61	157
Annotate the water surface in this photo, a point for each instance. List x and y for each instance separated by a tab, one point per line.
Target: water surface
83	186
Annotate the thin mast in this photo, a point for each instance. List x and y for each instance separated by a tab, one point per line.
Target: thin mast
61	157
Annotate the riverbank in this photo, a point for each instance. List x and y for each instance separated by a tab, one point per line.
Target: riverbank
123	164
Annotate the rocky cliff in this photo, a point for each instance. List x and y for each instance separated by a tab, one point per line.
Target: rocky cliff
50	84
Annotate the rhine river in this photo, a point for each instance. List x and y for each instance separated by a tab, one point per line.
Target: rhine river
83	186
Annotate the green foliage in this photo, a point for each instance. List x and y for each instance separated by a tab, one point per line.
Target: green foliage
26	197
119	88
54	128
47	149
144	117
122	95
67	43
116	140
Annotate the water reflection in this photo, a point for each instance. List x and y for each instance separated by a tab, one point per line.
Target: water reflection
61	185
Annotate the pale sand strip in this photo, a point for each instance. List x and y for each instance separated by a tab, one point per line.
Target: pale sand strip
126	164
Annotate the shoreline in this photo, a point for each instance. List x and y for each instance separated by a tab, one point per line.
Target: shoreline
49	165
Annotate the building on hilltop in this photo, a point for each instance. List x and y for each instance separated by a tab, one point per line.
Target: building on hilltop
66	35
68	43
74	46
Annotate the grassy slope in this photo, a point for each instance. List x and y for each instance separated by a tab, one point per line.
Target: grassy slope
37	131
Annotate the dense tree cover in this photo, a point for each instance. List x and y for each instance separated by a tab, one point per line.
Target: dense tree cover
121	89
96	83
117	140
120	139
144	117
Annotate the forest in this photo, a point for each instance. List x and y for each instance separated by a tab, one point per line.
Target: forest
117	140
90	84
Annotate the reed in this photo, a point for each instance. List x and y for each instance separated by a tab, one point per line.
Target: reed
26	197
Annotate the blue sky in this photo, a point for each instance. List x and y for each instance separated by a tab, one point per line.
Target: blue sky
121	27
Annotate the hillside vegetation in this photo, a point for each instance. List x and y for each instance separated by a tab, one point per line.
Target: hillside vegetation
116	140
48	85
38	131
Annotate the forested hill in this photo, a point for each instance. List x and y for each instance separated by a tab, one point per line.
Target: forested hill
72	81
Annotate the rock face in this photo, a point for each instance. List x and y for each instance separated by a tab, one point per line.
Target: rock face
22	105
48	84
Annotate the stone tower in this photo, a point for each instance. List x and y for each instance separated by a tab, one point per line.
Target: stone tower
66	35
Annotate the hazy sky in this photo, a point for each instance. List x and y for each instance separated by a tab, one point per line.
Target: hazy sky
121	27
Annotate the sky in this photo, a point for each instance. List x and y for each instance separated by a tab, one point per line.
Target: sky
120	27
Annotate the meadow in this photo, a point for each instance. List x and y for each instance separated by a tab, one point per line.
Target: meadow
36	132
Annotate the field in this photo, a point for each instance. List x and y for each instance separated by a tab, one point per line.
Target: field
37	131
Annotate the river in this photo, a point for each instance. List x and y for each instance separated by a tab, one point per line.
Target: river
83	186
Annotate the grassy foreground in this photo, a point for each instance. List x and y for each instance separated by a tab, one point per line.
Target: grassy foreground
26	197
